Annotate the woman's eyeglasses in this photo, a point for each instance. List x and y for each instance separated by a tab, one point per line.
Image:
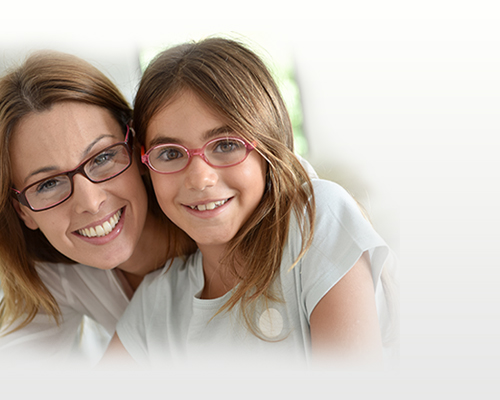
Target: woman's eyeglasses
54	190
220	153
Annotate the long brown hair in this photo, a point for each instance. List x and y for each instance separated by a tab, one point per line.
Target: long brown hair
236	84
44	79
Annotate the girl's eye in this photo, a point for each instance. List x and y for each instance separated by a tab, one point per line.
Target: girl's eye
226	146
169	154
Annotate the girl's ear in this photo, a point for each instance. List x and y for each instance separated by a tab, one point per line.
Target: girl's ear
24	215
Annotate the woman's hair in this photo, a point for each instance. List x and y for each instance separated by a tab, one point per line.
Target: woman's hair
44	79
235	83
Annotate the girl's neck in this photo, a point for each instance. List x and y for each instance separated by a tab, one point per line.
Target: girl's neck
218	278
150	252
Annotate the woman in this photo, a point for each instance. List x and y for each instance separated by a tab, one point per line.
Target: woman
73	196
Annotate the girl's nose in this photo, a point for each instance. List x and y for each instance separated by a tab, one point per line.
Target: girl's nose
87	196
200	175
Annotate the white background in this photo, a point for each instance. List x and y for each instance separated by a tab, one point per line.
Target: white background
402	107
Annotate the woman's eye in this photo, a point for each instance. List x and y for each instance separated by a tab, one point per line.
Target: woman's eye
49	184
103	158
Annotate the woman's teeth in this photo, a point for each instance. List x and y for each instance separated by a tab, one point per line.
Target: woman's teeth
102	230
209	206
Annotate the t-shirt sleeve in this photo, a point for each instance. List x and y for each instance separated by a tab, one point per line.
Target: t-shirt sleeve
342	234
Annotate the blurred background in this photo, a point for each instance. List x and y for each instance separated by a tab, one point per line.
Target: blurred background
398	101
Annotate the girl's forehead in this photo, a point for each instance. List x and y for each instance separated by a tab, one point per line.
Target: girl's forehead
186	117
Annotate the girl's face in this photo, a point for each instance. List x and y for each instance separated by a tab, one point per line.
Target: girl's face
57	140
210	204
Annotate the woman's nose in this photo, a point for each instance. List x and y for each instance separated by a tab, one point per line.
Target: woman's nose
200	175
87	196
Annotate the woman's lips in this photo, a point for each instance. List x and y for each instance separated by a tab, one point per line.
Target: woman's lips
103	229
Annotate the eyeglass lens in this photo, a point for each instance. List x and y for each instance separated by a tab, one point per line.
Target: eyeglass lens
220	153
53	190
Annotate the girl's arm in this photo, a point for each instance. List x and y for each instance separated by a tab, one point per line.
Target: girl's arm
344	324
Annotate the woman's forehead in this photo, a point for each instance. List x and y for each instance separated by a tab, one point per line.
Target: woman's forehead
60	137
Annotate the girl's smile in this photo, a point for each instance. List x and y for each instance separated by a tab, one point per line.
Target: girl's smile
209	203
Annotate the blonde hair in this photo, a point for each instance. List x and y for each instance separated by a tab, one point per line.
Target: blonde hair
44	79
236	84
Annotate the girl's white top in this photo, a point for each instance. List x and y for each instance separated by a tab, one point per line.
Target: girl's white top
168	325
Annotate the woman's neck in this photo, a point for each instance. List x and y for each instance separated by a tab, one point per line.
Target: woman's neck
150	252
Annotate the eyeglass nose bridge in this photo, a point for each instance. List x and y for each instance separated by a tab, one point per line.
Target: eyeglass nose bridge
79	170
198	152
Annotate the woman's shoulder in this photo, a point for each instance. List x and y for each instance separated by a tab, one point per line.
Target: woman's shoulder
73	273
71	283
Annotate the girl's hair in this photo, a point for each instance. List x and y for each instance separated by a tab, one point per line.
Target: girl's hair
235	83
45	78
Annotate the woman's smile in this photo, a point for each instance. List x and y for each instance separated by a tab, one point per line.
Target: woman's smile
101	229
101	223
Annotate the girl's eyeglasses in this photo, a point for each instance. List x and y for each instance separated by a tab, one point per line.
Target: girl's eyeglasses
219	153
54	190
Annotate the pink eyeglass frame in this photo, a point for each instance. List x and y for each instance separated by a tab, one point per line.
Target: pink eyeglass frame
196	152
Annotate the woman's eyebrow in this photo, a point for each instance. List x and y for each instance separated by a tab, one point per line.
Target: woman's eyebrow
42	170
89	148
54	168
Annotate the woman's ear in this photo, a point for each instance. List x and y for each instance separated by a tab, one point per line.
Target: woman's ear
24	215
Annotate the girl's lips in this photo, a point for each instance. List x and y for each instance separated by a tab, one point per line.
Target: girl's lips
208	206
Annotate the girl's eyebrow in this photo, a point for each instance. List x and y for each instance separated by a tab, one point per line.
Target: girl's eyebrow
53	168
212	133
209	134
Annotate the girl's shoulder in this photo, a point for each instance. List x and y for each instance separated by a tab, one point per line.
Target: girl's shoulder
333	201
329	193
341	222
177	272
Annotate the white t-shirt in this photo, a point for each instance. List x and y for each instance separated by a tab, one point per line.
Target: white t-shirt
168	325
91	302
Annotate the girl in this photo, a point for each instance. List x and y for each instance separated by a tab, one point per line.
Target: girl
72	196
286	266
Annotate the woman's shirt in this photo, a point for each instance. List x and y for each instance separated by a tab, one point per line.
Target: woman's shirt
167	324
91	302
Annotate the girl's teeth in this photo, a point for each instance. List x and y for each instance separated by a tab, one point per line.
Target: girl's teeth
102	230
209	206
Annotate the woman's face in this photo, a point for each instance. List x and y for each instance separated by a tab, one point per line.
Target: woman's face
57	140
210	204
